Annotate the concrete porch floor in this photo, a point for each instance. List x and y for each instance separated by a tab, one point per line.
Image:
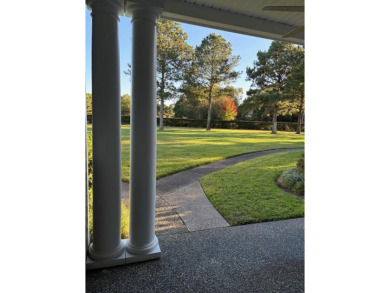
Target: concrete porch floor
264	257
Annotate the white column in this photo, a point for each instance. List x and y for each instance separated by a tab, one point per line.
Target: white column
107	243
143	240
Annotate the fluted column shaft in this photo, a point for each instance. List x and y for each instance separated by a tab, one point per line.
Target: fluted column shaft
143	130
106	130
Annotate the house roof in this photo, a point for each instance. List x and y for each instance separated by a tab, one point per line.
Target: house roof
239	16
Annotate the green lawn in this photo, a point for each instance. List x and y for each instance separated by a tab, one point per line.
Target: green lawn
180	148
247	192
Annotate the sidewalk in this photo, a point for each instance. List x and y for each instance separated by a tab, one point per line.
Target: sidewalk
182	206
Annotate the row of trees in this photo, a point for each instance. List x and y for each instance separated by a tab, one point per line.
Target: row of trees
125	106
195	76
200	79
206	72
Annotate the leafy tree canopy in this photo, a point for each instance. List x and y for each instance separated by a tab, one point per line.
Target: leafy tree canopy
88	96
125	104
173	56
228	109
213	66
269	77
295	87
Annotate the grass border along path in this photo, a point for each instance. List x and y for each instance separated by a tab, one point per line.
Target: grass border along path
247	192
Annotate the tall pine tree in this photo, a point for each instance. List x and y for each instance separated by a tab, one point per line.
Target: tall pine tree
269	78
213	66
295	87
173	56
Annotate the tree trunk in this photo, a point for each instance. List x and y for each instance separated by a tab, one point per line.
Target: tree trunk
162	101
209	111
274	121
299	122
162	114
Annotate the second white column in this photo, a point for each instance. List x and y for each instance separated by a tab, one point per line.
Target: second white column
143	132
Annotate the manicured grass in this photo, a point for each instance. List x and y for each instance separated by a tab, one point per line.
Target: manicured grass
247	192
181	148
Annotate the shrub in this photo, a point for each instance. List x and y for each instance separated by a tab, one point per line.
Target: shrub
89	158
90	214
291	179
125	220
301	164
125	212
90	192
125	120
300	188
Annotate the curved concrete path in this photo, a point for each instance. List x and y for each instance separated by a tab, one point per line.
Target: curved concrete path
182	206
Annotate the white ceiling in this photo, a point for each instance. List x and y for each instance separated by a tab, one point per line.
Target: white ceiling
253	8
240	16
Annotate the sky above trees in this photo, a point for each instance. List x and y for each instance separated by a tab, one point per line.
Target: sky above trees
245	46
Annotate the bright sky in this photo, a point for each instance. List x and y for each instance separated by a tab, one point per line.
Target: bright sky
245	46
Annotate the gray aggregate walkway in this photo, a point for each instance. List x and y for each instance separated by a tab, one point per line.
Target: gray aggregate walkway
264	257
182	206
194	208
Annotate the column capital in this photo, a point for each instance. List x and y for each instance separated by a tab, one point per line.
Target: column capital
111	6
149	9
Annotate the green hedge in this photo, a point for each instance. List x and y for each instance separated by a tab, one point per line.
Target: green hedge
201	123
124	119
236	124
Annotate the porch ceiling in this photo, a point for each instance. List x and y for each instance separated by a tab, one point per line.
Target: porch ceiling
243	16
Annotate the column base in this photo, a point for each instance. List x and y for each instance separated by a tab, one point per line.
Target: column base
152	254
124	258
112	255
140	250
